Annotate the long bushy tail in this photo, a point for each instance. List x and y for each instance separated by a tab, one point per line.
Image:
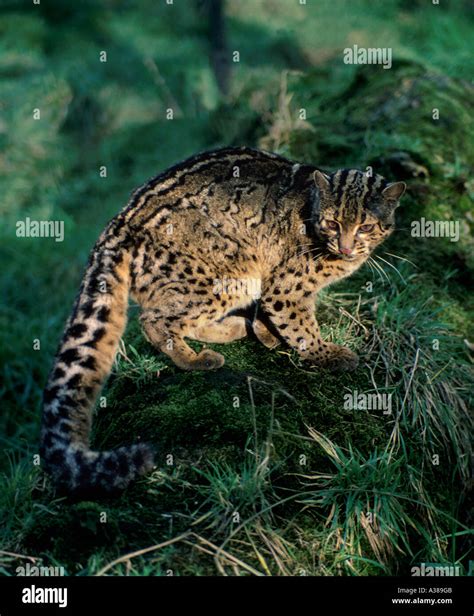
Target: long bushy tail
82	364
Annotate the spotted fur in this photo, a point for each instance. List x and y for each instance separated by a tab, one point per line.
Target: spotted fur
232	214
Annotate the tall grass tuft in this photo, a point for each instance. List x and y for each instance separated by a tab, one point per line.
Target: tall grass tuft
373	507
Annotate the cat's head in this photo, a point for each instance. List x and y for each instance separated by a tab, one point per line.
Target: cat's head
355	211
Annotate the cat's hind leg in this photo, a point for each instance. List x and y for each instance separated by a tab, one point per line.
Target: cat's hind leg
233	328
264	335
224	330
168	336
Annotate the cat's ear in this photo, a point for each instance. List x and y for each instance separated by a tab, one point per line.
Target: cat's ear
321	180
394	191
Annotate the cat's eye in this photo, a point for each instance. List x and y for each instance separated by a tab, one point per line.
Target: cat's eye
366	228
330	224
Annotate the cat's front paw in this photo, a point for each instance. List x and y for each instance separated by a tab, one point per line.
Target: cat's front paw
336	358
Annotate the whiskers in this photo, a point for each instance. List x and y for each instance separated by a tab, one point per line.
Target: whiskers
392	266
375	263
316	252
391	254
377	269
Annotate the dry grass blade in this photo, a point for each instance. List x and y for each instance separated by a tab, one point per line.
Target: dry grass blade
127	557
220	553
25	556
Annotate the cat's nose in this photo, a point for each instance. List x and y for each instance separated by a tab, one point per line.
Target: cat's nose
345	251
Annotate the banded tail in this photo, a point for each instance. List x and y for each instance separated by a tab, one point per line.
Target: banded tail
82	364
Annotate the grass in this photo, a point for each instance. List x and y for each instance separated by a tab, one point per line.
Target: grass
261	468
372	508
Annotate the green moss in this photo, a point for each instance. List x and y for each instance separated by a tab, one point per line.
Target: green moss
181	411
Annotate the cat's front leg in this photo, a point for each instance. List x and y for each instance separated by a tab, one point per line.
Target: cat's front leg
294	319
